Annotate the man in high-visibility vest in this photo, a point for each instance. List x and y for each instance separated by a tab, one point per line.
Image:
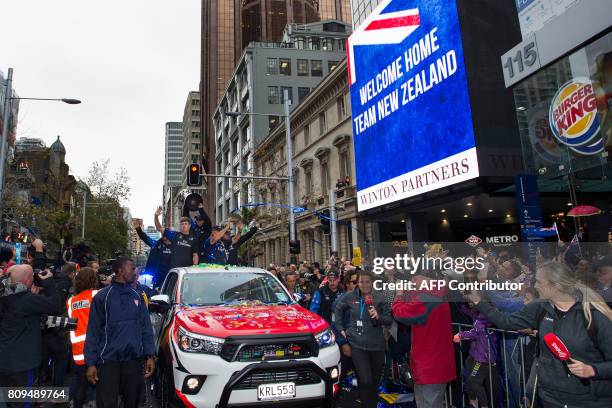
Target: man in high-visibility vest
86	284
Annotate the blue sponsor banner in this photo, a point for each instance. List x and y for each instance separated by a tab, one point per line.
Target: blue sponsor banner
530	214
412	122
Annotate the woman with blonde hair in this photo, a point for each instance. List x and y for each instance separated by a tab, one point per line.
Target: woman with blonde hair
581	319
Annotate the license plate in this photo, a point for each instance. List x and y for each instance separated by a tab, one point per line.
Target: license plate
266	392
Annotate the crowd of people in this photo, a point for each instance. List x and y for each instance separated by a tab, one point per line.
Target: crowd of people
408	339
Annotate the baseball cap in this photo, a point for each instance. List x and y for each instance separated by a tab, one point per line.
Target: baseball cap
332	273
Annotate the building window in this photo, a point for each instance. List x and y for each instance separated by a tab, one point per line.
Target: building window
308	182
194	158
316	69
289	93
341	45
195	135
272	66
235	147
195	146
324	177
195	123
195	101
226	158
272	122
195	113
302	93
331	65
292	145
273	97
322	123
302	67
328	44
345	165
306	135
341	108
235	171
314	43
300	43
285	66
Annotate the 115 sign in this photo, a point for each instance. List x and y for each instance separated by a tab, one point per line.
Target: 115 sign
521	61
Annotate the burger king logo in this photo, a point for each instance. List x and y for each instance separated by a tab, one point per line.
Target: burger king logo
573	117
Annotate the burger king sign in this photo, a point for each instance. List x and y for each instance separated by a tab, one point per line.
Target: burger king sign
573	117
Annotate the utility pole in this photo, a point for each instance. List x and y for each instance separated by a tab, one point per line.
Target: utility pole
332	221
84	213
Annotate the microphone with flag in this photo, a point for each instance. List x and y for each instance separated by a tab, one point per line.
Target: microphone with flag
561	352
370	304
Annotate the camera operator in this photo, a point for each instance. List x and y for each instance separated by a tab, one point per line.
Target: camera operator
21	311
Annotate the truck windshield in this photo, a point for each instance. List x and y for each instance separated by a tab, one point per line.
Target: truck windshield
212	289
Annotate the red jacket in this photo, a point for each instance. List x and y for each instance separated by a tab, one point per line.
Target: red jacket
432	358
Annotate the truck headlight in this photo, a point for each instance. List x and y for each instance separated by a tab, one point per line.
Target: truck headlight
196	343
325	338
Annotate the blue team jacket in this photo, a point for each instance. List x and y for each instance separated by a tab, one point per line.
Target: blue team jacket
119	327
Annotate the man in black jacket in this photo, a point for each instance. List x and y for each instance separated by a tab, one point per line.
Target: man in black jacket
21	311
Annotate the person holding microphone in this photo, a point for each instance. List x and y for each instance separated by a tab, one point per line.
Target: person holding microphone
368	313
576	318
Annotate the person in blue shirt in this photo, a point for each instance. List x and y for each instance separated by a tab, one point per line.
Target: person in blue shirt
158	262
324	298
213	249
201	225
184	243
119	338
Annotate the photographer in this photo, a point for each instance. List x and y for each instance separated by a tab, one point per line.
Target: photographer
21	311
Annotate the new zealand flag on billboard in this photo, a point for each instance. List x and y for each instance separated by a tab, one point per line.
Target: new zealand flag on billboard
412	122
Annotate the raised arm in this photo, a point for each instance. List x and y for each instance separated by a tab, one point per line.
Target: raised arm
158	225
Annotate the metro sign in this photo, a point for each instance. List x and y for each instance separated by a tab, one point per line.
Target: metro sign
382	28
473	241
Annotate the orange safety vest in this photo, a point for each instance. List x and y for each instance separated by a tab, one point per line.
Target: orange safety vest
78	307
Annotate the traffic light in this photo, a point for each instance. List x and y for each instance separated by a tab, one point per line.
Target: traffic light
194	179
294	246
324	216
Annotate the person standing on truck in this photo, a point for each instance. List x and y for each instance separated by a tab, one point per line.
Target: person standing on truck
184	243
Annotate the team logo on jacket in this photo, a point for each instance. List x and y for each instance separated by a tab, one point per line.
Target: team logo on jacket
573	117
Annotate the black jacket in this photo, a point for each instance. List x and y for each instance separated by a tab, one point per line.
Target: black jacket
554	385
232	258
20	332
372	337
158	262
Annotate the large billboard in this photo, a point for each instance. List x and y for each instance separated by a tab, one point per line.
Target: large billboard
412	122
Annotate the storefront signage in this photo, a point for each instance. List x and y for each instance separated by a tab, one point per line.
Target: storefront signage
521	61
412	121
573	117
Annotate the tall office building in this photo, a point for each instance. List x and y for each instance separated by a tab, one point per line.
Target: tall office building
173	168
361	9
191	134
223	41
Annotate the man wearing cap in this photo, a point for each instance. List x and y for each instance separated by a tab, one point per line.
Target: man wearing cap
213	250
234	242
325	297
201	225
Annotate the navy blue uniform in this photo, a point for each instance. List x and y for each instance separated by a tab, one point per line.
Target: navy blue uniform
158	262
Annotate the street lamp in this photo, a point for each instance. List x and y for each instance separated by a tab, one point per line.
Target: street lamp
289	149
5	122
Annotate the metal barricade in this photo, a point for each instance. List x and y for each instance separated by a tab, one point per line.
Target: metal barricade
510	352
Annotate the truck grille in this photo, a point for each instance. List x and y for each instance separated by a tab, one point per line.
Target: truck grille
300	376
267	352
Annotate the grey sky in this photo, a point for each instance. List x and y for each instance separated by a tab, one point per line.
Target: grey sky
131	62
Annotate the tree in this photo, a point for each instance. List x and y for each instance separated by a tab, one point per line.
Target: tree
106	228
